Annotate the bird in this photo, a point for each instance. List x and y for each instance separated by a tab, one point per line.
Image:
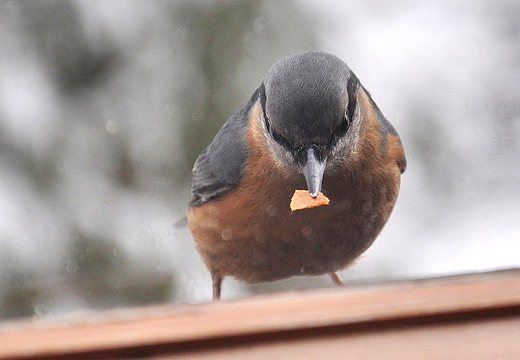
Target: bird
310	125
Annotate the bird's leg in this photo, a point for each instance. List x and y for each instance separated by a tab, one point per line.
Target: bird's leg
217	283
335	278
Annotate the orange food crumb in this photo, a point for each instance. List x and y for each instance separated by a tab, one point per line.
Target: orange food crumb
301	199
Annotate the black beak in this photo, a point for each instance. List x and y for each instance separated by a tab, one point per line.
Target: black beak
313	172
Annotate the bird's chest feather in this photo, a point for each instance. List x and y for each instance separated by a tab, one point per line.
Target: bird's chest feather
252	234
260	238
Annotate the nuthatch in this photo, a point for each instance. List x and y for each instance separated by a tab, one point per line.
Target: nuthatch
310	124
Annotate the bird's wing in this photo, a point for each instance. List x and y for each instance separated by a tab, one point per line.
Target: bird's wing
385	127
219	167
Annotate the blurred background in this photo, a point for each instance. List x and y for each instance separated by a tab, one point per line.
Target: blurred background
104	106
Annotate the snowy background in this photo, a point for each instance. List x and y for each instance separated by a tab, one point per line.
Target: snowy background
104	106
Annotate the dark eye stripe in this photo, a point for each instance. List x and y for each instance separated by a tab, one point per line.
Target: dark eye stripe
276	136
344	126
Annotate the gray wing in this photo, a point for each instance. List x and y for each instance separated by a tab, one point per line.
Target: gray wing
219	167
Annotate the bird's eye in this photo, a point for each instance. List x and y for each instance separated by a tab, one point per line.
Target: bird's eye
343	126
275	135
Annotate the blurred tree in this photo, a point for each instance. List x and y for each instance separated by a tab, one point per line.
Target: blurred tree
102	273
72	59
93	97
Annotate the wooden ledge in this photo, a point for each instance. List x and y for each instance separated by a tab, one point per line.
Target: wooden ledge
407	316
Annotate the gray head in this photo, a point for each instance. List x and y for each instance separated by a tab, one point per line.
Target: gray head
308	100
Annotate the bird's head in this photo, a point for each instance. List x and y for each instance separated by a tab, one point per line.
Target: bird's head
309	103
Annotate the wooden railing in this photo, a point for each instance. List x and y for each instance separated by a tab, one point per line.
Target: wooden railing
474	316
